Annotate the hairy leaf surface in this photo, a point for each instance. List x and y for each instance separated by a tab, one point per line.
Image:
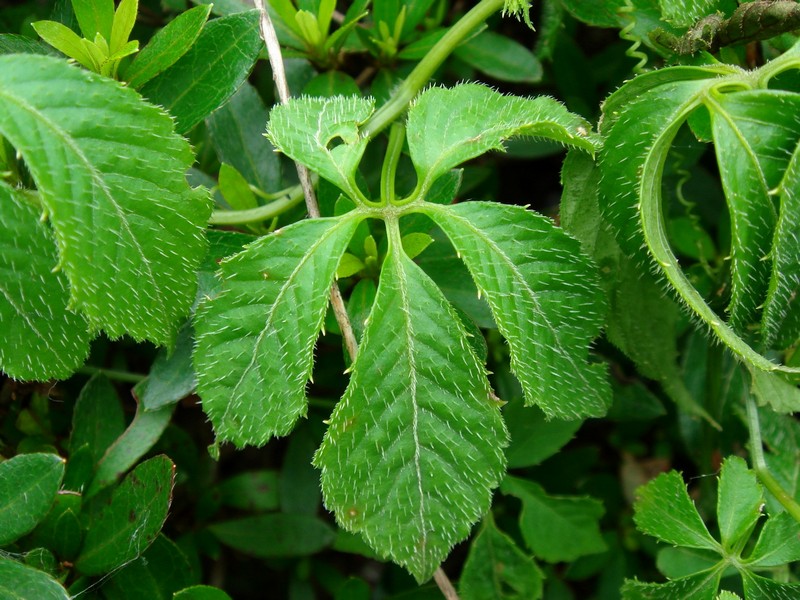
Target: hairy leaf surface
322	133
700	586
781	315
111	175
545	297
255	340
739	502
447	127
414	448
40	337
665	511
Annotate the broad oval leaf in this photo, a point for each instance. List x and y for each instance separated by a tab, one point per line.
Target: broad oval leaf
447	127
167	46
22	582
545	297
124	528
210	72
255	340
322	133
111	175
40	337
557	528
28	486
501	58
276	535
415	446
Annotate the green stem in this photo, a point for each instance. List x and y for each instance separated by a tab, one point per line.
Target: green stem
422	73
125	376
394	150
260	213
760	464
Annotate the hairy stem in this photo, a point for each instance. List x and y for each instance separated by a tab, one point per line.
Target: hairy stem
760	464
279	74
424	70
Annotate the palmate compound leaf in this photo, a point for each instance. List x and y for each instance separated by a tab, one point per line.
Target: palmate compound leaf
545	297
322	133
40	338
447	127
255	340
110	173
415	446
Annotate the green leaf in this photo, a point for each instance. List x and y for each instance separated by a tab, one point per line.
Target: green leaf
255	340
739	503
167	46
63	39
60	530
500	58
210	72
702	586
761	588
143	432
156	575
414	244
557	528
635	118
97	419
726	595
418	422
677	561
349	265
20	582
781	315
124	20
544	296
94	16
332	83
748	196
496	569
534	438
124	527
275	535
201	592
253	491
665	511
171	376
447	127
778	543
441	263
684	13
322	133
236	132
235	189
299	480
12	43
28	486
129	231
774	391
41	337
